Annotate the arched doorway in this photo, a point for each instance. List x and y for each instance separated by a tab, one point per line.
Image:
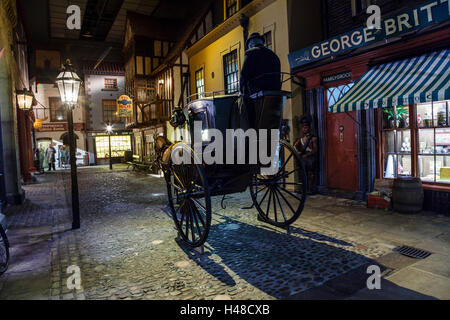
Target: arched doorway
65	139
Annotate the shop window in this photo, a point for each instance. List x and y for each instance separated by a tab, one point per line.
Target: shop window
110	84
110	111
57	112
200	83
231	7
336	93
119	144
429	132
268	40
231	72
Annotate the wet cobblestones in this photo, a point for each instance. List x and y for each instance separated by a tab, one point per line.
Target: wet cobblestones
126	246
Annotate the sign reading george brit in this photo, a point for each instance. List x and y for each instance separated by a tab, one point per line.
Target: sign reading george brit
124	106
429	13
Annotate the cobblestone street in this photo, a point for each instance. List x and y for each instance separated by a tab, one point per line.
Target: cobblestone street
126	247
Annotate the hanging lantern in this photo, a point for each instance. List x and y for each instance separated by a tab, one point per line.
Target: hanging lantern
25	99
69	84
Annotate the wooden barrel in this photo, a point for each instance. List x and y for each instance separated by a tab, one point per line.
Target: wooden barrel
408	195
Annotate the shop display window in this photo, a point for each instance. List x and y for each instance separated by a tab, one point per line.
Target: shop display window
119	144
420	147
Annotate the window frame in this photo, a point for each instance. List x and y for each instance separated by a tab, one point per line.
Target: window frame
197	91
227	7
106	86
114	118
233	53
415	153
51	101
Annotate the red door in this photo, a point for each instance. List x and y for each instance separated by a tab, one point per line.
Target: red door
342	152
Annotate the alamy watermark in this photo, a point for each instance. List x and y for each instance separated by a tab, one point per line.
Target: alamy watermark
74	18
74	281
237	147
374	281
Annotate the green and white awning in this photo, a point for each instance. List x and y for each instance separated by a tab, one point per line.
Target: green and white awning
420	79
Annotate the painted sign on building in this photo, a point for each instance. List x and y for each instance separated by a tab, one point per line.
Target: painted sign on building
429	13
337	77
57	127
124	106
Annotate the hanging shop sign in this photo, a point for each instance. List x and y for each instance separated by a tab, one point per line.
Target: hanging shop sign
124	106
429	13
337	77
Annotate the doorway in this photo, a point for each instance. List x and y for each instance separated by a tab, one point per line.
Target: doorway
43	145
342	152
341	143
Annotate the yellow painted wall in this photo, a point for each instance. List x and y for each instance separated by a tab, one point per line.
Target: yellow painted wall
275	18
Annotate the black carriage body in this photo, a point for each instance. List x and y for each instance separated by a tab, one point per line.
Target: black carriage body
260	111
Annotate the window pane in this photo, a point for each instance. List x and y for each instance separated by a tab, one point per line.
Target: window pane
336	93
443	168
439	114
403	141
390	164
426	141
424	115
443	141
388	139
426	168
404	165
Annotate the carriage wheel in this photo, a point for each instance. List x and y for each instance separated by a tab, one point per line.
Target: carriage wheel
4	251
280	198
189	199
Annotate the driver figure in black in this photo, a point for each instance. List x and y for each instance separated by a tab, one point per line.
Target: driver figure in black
261	69
260	72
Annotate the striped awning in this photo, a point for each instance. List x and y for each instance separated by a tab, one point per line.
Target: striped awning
420	79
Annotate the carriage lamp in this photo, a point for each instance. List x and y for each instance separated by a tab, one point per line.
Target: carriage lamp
69	84
25	99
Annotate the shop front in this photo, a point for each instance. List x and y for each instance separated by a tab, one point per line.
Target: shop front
120	145
382	111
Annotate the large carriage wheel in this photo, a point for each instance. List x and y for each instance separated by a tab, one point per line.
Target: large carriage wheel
189	199
280	198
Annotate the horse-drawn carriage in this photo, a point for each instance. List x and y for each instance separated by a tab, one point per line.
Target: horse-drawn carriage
279	196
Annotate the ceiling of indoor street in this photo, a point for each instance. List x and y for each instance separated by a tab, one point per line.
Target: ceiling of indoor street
102	20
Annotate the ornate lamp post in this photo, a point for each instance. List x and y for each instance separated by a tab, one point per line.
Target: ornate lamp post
69	84
109	129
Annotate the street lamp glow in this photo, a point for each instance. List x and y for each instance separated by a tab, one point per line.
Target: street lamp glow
109	128
69	84
25	99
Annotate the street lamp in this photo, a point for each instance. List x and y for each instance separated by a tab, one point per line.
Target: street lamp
109	128
69	87
25	99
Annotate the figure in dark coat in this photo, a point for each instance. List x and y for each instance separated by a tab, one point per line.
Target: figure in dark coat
261	69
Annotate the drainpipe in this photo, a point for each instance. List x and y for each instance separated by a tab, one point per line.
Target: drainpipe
245	21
